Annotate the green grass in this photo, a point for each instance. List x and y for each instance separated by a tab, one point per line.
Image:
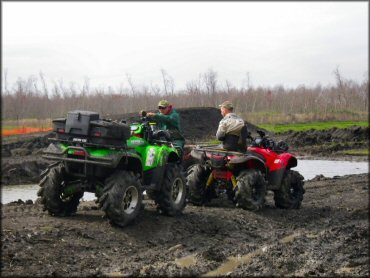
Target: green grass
311	125
359	152
9	127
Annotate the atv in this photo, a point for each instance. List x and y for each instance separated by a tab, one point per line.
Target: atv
246	176
114	160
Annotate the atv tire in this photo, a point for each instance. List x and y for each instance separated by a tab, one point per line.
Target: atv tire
250	191
171	199
53	180
196	181
121	198
290	194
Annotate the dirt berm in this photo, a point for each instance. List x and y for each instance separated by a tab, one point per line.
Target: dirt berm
327	236
21	160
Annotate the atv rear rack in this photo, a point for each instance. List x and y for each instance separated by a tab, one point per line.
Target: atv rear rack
215	149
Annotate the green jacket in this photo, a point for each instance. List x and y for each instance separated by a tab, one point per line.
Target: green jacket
170	122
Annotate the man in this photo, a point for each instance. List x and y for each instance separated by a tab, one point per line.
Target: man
229	128
168	119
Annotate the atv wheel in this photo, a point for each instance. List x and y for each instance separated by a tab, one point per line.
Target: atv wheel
250	190
54	179
171	199
121	198
196	181
290	194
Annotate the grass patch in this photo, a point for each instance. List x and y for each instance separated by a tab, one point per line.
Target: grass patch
358	152
312	125
13	124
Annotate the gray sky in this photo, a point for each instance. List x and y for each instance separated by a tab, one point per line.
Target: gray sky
287	43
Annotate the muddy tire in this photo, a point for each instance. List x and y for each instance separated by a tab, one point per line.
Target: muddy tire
53	180
250	191
290	194
171	199
121	198
196	181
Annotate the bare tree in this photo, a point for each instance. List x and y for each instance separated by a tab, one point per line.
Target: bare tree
168	83
129	80
210	81
43	82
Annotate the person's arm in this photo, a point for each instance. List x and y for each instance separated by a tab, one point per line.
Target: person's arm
172	119
221	131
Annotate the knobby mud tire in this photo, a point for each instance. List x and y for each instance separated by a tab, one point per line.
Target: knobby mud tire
121	199
290	194
171	199
53	179
196	181
250	191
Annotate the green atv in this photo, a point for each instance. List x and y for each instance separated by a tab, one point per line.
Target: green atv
114	160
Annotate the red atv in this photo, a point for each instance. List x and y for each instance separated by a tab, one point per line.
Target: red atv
246	176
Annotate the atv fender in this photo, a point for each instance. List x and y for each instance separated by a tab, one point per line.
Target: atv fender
153	178
251	161
275	177
129	161
198	155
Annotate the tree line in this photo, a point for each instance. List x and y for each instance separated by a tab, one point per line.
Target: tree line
32	98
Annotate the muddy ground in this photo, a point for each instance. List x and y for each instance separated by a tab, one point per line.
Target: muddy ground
327	236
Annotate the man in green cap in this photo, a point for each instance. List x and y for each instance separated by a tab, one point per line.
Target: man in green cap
230	127
168	119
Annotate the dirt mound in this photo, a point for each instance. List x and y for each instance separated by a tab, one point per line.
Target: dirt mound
328	236
328	141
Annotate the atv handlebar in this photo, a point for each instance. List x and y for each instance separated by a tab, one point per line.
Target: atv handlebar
268	143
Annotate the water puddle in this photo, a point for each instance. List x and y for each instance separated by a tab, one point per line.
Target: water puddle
186	261
289	238
308	168
233	262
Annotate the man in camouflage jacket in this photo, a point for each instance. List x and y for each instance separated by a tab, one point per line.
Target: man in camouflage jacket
229	128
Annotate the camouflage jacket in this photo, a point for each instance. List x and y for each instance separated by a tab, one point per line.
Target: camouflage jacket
230	124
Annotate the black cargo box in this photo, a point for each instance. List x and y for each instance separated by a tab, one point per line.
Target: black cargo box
86	127
78	122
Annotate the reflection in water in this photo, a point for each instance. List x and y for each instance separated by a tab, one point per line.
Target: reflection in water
308	168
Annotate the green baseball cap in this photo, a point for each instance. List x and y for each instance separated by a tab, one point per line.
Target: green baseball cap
227	104
163	103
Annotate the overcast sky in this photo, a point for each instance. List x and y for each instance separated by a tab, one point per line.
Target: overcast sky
287	43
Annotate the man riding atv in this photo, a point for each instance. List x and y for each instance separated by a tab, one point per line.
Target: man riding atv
230	129
244	173
168	119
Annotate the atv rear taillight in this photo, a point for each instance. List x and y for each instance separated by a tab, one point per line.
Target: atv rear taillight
80	153
97	134
138	135
220	174
61	130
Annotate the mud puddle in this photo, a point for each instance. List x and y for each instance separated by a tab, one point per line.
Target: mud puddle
308	168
